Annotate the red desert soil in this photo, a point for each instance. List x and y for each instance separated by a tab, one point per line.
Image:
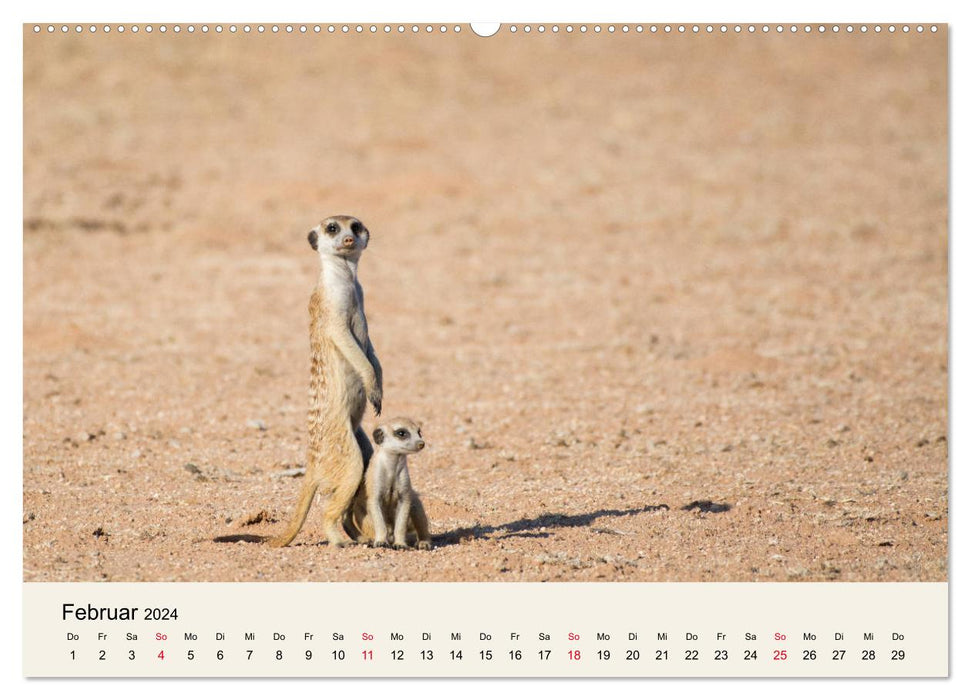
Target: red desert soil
614	276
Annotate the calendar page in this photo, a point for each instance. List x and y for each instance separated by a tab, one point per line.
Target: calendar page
485	350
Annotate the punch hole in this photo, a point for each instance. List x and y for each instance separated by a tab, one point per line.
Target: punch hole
134	29
849	29
36	28
64	29
836	29
177	29
527	29
148	28
934	28
596	29
219	29
246	29
162	28
681	28
79	29
709	29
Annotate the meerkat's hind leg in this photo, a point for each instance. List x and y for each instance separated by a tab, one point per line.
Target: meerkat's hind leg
420	522
349	467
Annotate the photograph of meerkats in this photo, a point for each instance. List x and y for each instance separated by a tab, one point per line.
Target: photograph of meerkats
663	307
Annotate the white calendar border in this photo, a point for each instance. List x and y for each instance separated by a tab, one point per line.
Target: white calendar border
507	10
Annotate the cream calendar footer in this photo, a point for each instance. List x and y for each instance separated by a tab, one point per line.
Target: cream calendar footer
482	629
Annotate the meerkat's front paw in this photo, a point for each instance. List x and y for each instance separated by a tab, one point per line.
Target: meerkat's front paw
380	543
374	396
400	545
425	545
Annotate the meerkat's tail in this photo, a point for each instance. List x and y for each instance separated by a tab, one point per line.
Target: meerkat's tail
300	516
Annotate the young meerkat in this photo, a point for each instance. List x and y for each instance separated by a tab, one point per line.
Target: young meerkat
344	376
386	494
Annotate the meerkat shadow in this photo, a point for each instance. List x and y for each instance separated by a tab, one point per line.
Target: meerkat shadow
538	527
255	539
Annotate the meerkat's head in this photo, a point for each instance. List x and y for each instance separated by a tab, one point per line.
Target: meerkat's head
399	436
339	236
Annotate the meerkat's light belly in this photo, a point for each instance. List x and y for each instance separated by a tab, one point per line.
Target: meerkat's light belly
352	395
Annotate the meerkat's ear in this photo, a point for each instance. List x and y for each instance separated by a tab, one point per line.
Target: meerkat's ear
312	237
378	436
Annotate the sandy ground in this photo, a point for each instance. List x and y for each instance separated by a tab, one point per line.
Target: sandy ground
614	277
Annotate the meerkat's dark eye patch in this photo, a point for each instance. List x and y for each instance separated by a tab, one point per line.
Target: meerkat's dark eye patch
402	434
332	228
356	228
312	237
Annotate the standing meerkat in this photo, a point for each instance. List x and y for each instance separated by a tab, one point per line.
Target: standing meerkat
386	494
344	376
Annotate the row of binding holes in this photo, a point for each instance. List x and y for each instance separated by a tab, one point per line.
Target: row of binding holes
713	28
442	29
258	28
